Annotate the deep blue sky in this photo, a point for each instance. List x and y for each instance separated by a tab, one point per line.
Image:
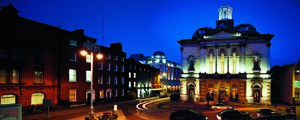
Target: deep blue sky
145	26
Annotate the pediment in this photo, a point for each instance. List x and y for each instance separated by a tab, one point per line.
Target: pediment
223	34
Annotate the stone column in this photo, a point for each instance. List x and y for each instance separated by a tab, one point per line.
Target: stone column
244	57
241	64
228	55
268	62
204	54
216	64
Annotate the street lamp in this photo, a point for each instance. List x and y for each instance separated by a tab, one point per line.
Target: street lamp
92	48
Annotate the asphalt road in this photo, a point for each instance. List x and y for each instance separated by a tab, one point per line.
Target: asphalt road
150	109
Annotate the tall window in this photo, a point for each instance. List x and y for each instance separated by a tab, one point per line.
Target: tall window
39	58
88	58
37	98
122	92
72	42
108	56
100	65
116	57
129	74
72	75
8	99
222	63
134	75
116	69
108	67
101	94
3	76
100	79
134	84
116	92
38	76
123	68
129	84
72	95
72	56
233	62
15	76
122	80
123	59
107	79
88	76
211	53
116	80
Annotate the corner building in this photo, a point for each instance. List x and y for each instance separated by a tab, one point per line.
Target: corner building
226	64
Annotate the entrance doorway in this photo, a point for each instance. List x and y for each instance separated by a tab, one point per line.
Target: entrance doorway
191	91
256	90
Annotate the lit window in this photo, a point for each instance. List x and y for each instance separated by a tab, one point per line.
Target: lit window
8	99
3	76
100	79
72	75
129	74
88	76
108	57
72	56
123	59
122	92
38	76
37	98
129	84
88	58
123	68
72	95
101	94
15	76
134	84
72	42
134	75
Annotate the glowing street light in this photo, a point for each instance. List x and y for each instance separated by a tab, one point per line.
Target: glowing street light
92	48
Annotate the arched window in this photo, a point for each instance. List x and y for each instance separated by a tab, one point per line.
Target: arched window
37	98
222	60
234	53
8	99
211	53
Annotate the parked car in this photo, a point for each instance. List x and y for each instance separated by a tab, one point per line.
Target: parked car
290	110
266	112
187	115
220	106
232	114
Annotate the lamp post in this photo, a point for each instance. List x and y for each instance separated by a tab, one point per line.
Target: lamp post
92	48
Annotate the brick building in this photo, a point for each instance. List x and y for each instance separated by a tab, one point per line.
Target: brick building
39	61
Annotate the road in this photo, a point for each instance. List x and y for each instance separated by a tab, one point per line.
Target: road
148	109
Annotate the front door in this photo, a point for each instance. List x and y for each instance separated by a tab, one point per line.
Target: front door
256	96
89	98
191	94
222	95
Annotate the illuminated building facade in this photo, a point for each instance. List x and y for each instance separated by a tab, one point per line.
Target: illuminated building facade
140	78
229	63
286	81
169	79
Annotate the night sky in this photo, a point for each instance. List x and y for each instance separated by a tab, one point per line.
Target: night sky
145	26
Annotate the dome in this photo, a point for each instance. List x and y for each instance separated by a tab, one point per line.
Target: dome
246	28
158	53
201	31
